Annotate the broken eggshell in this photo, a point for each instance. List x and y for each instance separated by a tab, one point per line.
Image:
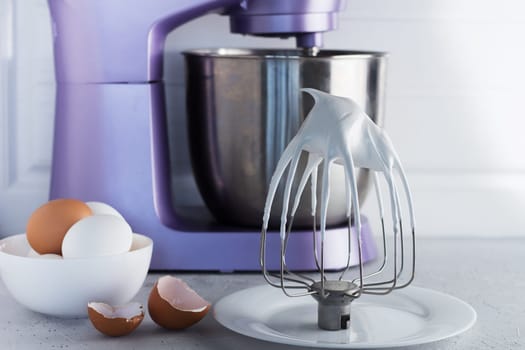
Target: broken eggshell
172	304
115	321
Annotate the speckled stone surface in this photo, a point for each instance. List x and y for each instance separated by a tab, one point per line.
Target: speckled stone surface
488	274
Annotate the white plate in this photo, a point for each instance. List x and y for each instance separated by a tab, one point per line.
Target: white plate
405	317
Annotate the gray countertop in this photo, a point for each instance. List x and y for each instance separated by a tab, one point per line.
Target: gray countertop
489	274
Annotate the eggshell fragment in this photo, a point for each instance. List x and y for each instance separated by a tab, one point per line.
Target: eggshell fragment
97	235
48	224
172	304
115	321
99	208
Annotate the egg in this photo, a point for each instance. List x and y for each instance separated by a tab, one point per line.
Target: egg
172	304
115	321
97	235
99	208
48	224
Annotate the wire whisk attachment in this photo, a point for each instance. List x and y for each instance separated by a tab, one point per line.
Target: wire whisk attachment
337	132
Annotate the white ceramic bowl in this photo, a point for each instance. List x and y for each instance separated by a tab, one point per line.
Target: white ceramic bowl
63	287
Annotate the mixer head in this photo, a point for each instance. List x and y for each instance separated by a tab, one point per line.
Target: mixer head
305	20
338	131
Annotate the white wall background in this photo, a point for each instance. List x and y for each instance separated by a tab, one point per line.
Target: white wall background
454	103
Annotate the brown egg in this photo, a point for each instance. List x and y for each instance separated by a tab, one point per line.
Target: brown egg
172	304
115	321
48	225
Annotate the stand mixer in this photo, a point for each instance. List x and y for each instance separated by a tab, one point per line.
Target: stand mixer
111	141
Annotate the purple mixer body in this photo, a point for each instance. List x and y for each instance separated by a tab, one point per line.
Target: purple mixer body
110	141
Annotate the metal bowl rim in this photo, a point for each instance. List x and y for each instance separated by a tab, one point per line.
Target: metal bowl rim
295	54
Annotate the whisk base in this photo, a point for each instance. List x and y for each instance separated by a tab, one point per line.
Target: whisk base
334	299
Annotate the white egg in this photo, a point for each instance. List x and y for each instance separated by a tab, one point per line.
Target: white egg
99	208
97	235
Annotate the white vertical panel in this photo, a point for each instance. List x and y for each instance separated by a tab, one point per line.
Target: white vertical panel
6	53
27	113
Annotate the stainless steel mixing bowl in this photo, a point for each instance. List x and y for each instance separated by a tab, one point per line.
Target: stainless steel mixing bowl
244	106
